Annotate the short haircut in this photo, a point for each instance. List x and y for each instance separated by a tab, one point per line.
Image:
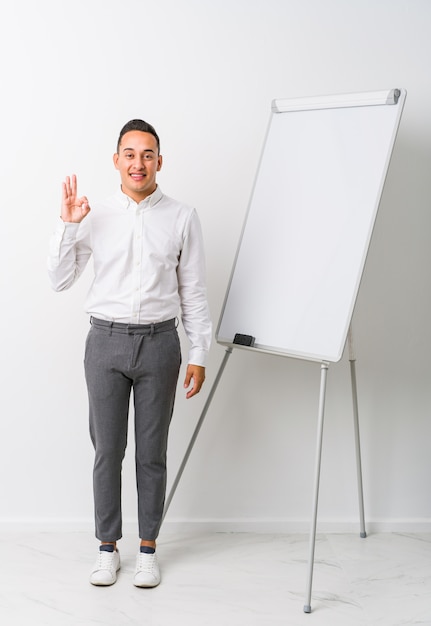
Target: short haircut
144	127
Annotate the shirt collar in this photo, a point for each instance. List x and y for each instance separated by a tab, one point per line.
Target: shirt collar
127	202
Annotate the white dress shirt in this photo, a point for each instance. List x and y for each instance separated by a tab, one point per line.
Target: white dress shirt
148	264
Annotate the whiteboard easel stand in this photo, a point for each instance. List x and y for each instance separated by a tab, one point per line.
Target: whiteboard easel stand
323	377
352	360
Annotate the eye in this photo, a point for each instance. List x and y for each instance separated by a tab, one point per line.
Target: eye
148	156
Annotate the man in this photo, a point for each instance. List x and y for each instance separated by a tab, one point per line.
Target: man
148	264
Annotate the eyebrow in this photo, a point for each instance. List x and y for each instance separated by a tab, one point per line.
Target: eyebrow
133	150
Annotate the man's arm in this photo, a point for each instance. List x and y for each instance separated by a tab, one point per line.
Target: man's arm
68	251
194	306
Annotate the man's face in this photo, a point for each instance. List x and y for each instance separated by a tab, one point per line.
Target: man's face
138	162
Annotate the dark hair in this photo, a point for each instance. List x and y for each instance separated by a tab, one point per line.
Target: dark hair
144	127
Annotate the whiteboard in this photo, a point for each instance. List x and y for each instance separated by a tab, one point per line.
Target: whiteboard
309	222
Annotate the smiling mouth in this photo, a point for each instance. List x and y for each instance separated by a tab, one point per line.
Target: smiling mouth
137	176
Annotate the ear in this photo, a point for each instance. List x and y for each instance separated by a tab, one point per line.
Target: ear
115	160
159	162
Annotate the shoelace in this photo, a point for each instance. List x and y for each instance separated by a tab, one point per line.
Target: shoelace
106	560
146	562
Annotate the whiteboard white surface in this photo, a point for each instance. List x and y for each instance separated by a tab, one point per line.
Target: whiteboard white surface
309	223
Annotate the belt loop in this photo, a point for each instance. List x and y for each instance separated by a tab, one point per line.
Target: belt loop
110	328
177	322
91	320
152	331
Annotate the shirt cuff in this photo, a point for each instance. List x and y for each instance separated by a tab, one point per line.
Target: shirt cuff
198	356
68	230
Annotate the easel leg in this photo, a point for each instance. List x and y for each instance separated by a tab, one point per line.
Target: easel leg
323	376
196	431
352	360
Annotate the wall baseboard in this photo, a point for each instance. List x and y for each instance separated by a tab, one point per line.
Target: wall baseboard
242	525
270	526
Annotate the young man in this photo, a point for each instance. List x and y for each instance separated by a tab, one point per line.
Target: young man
148	264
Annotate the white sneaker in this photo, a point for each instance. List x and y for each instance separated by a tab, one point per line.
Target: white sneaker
147	573
106	567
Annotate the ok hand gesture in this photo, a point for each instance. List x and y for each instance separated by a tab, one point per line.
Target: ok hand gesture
73	209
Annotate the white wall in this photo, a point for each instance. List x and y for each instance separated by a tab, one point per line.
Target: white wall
204	73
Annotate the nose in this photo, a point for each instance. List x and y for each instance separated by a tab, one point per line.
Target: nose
138	164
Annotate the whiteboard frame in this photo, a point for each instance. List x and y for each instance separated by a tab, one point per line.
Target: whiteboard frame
394	97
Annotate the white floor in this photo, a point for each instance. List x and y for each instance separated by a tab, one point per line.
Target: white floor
220	579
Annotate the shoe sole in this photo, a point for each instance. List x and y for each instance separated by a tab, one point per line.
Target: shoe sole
146	585
103	584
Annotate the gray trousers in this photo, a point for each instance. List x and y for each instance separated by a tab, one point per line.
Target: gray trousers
119	358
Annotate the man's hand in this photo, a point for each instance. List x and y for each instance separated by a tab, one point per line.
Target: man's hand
197	374
73	209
